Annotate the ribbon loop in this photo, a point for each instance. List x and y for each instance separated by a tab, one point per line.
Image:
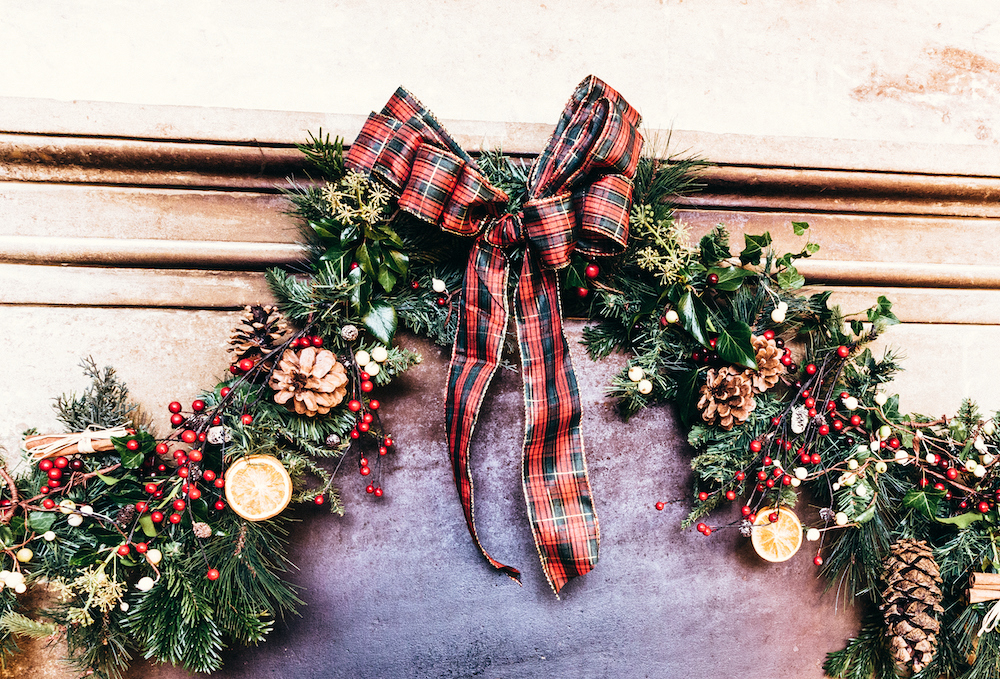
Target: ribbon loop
579	196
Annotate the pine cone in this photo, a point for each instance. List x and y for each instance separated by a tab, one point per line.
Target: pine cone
201	530
726	398
769	367
125	517
912	604
309	382
260	330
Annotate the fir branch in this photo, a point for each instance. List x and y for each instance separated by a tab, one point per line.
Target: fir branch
19	624
104	404
325	155
866	655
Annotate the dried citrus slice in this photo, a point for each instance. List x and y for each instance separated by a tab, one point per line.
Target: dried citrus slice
778	541
258	487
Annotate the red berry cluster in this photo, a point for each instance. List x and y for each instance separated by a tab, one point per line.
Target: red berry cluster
56	469
306	341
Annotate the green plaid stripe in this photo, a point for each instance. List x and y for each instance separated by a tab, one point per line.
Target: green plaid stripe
580	193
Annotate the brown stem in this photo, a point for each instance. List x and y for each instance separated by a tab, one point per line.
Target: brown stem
7	514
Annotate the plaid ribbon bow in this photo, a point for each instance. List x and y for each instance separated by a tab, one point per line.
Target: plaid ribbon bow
580	191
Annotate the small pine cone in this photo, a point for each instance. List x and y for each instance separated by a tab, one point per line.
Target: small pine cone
912	604
746	528
332	441
726	398
349	333
309	382
201	529
260	330
769	367
827	514
125	517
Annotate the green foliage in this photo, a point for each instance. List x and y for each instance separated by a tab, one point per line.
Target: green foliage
866	656
104	404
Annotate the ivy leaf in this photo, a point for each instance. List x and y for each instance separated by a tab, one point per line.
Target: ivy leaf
866	515
730	278
754	247
41	521
800	227
812	248
709	250
882	311
791	279
381	321
692	314
735	346
962	521
923	501
360	291
147	525
386	278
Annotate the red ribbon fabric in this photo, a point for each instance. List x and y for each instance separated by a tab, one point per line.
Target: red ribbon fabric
580	190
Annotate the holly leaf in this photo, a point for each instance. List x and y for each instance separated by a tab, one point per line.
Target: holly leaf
800	227
754	247
360	291
333	254
574	279
730	278
692	314
386	278
925	502
735	346
322	230
790	279
381	321
397	261
687	387
962	521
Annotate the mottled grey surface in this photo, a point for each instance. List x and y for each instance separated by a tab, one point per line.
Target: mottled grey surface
397	589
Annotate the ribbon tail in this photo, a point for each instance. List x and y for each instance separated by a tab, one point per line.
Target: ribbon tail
482	325
554	468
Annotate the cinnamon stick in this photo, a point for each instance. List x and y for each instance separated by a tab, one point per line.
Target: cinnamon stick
978	596
984	581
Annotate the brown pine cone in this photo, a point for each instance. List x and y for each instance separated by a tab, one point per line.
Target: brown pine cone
261	329
769	367
726	398
309	382
912	604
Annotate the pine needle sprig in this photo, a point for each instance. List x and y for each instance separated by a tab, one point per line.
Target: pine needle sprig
104	404
866	655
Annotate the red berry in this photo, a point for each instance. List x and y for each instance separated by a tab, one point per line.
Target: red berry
208	475
775	421
162	448
213	574
855	420
45	465
367	386
983	507
441	301
378	491
707	531
55	474
752	518
769	334
701	527
141	547
220	505
198	406
382	450
365	471
786	360
216	421
767	458
373	404
938	486
923	482
740	476
818	560
355	434
843	352
174	407
234	369
713	278
48	503
202	436
805	392
786	480
755	446
761	475
194	493
175	518
60	462
812	413
220	482
367	418
189	436
713	341
176	420
582	292
702	496
151	488
317	341
363	427
769	483
592	271
247	418
746	511
318	499
183	472
838	425
963	504
179	505
156	516
823	430
370	488
363	462
195	455
893	443
354	406
354	265
387	442
952	474
811	369
659	506
224	392
54	483
773	517
730	495
132	444
246	364
123	550
141	507
415	285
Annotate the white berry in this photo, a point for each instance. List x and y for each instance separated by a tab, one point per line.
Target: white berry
75	520
841	519
48	536
86	510
379	354
644	386
124	606
373	369
362	358
796	482
979	471
861	491
989	427
881	398
851	403
20	588
801	472
884	432
67	506
812	535
672	316
24	555
438	285
145	583
901	457
881	467
988	459
930	458
154	556
778	315
635	373
852	464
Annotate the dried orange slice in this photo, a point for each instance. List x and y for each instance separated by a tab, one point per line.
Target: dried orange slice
258	487
778	541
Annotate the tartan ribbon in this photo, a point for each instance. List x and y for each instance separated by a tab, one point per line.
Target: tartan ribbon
579	195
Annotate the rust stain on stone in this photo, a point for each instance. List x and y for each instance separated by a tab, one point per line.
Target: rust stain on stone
955	83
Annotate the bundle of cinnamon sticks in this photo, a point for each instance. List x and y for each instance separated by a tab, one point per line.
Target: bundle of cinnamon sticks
983	587
90	441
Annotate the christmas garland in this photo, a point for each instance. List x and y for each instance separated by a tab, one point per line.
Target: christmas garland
172	546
